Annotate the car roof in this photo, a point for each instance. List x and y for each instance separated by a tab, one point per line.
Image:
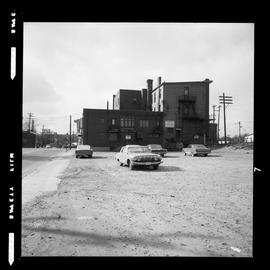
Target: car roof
196	144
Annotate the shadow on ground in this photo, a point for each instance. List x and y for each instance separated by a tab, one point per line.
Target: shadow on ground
93	157
160	169
88	238
167	156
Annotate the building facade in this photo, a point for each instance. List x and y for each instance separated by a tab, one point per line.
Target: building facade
168	114
111	129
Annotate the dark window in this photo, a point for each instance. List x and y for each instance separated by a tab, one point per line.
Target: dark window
155	97
186	91
144	123
127	122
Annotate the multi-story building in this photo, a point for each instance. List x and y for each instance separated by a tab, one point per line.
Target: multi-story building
168	114
185	108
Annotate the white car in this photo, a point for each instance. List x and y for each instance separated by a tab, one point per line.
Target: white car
137	155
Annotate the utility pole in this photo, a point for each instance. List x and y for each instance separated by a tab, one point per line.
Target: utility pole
225	100
30	115
70	132
42	132
214	116
218	122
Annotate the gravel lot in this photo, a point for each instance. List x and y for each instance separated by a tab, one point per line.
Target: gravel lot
190	206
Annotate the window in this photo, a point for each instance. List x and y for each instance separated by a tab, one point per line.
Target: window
186	110
113	121
144	123
186	91
155	97
127	122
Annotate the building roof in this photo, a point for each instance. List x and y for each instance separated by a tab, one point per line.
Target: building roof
205	81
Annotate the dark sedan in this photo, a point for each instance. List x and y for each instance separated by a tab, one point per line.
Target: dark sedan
196	150
157	149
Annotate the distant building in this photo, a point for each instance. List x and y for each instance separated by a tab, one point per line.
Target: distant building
169	113
249	138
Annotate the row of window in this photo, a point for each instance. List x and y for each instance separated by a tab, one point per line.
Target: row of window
129	122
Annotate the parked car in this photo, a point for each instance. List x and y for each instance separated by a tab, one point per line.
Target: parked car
83	150
157	149
48	146
137	155
196	150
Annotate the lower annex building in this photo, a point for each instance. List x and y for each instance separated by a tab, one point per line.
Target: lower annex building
168	114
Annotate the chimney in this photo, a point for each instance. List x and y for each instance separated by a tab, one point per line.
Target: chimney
149	94
144	99
113	102
159	81
107	105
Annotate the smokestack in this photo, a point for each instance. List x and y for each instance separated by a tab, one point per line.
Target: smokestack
149	94
113	102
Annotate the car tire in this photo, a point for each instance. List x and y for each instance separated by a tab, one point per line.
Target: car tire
205	155
90	156
131	167
162	155
185	153
155	167
76	156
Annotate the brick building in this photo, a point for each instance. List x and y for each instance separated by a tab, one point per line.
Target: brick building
110	129
169	113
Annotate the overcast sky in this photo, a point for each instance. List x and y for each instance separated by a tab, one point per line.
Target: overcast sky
71	66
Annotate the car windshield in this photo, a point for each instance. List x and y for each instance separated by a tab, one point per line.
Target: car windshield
155	146
83	147
142	149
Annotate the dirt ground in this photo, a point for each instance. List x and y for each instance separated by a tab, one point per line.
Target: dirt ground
190	206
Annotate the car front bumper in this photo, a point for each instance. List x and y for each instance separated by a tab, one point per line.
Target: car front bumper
145	163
